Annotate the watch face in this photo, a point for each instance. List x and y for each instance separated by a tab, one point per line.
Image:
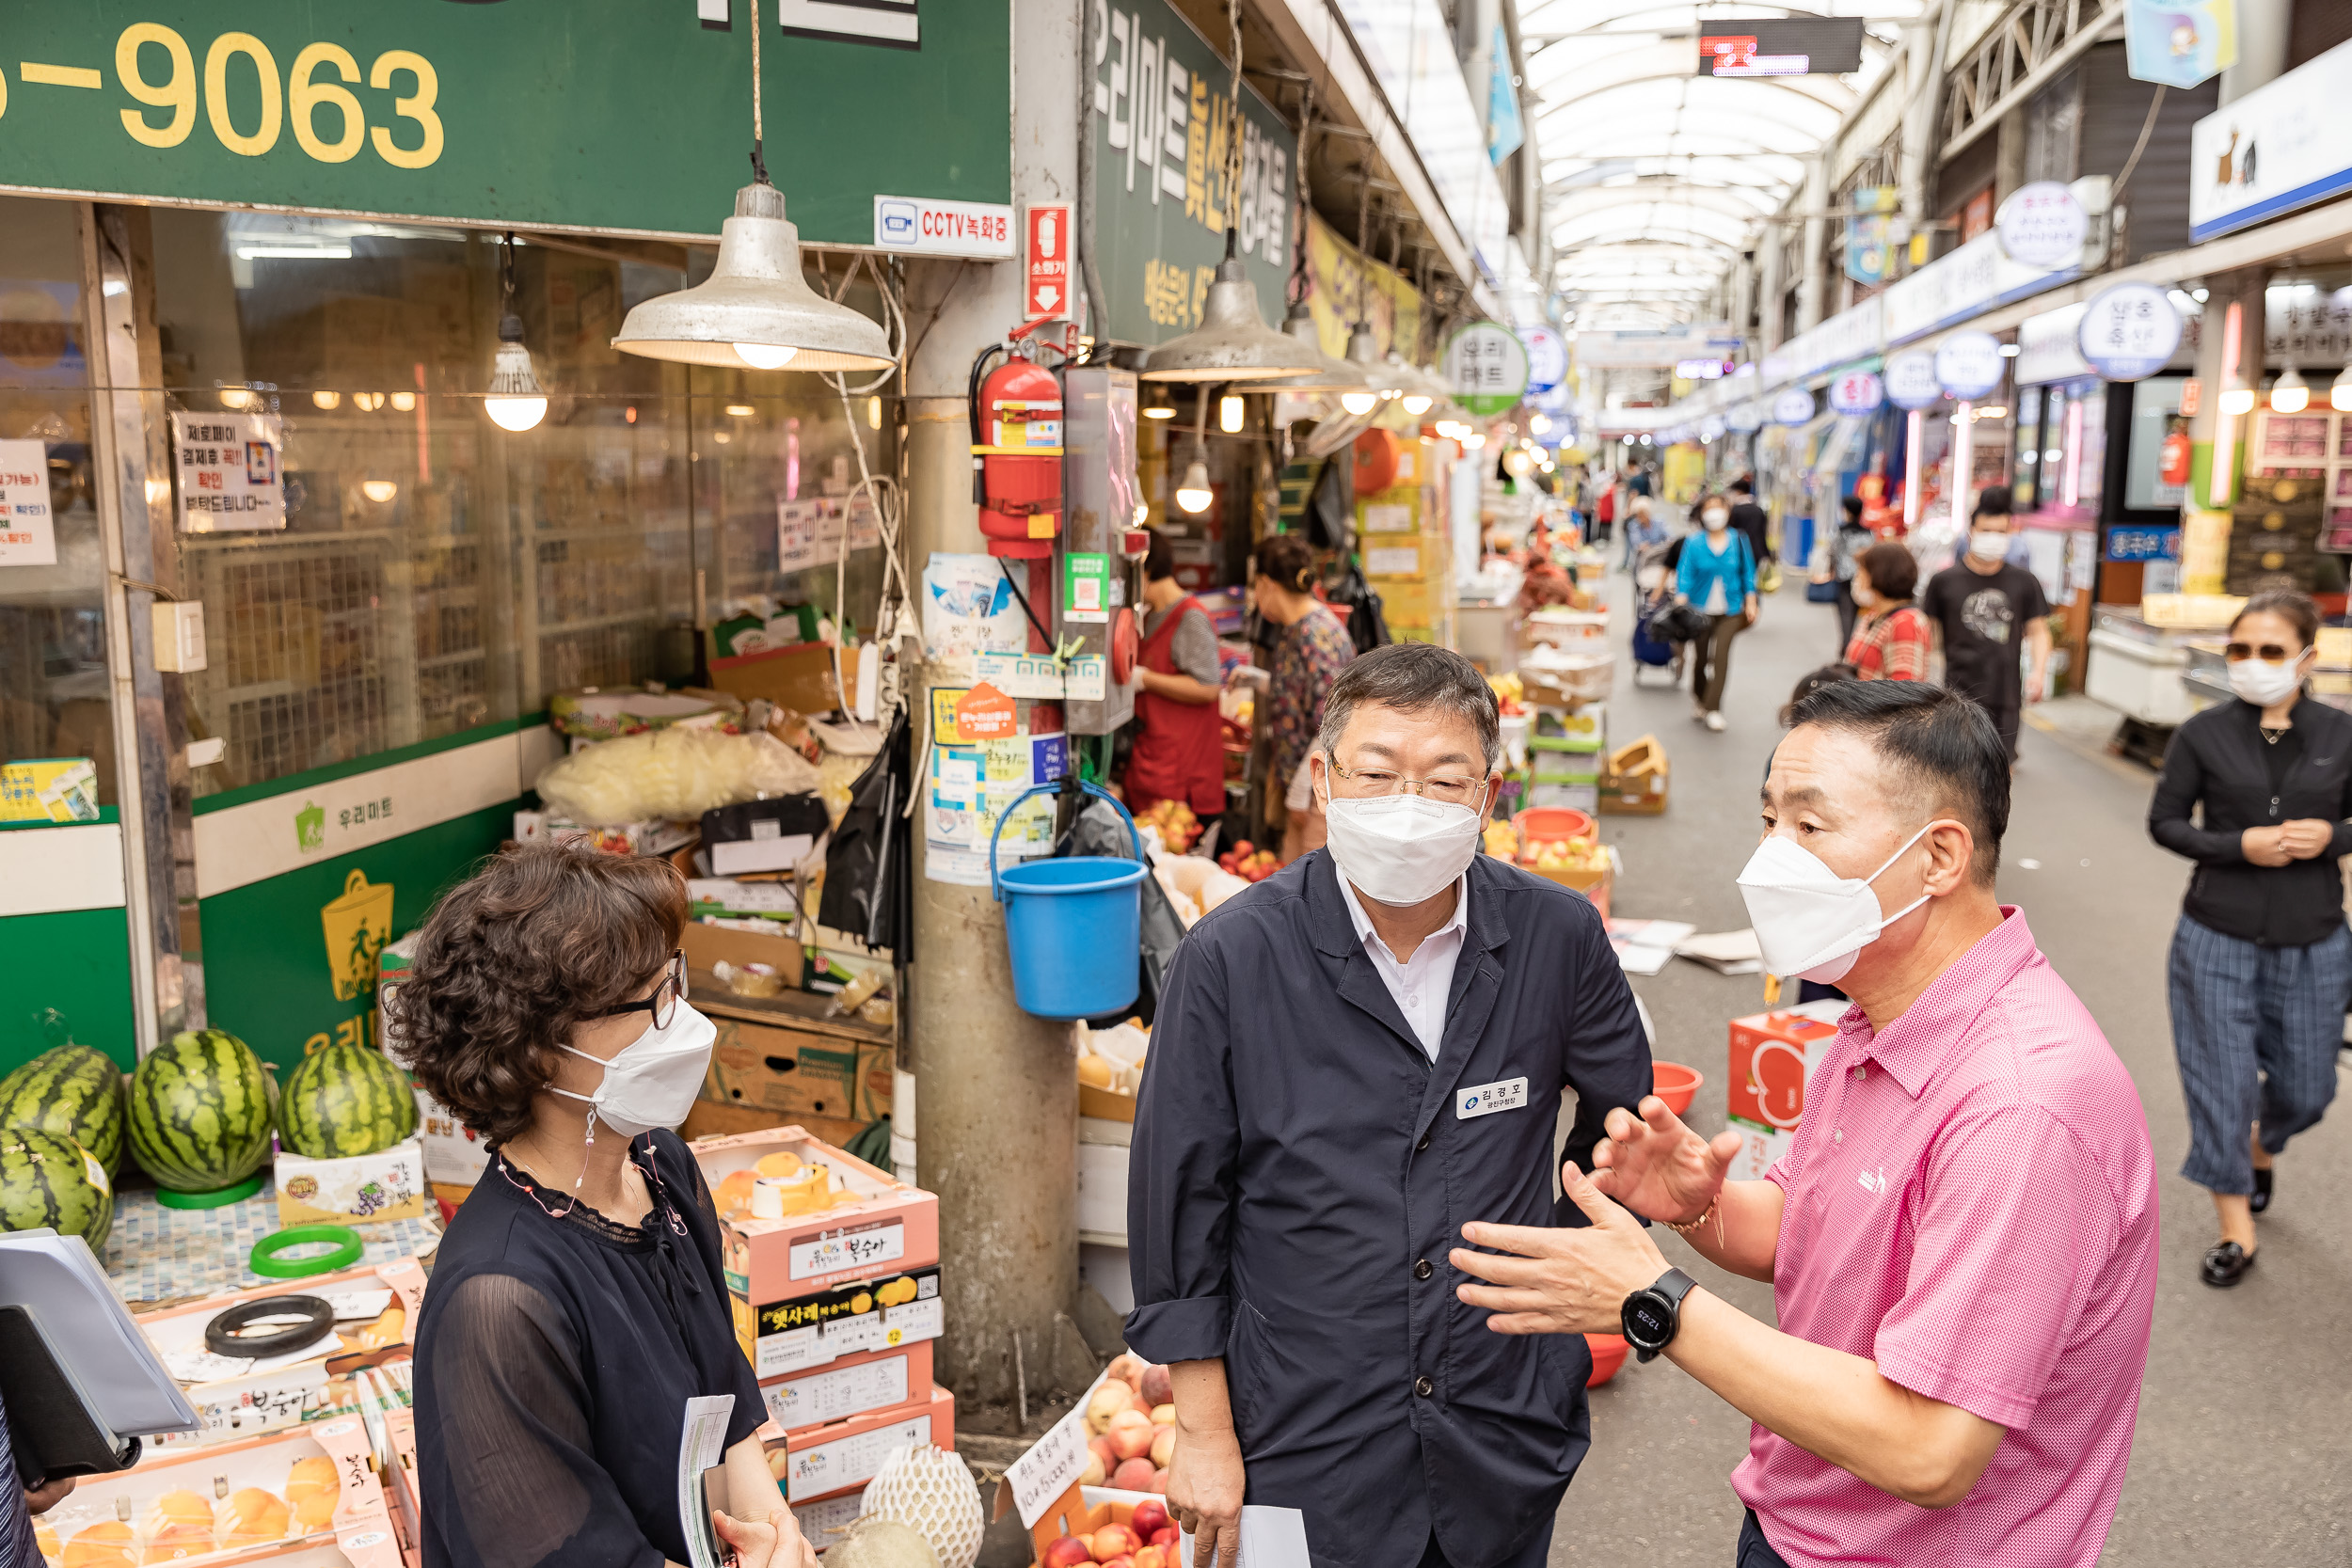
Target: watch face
1648	1316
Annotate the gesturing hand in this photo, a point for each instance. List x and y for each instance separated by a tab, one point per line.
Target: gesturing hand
1657	1167
1561	1281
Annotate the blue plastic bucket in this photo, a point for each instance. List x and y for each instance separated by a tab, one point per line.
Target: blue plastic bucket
1073	925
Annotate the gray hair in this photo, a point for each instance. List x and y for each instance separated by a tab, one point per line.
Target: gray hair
1413	677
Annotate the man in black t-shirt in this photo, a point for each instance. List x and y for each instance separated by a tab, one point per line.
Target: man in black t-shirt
1984	608
1750	518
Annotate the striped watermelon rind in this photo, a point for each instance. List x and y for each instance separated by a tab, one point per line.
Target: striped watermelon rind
53	1182
199	1112
345	1100
75	1091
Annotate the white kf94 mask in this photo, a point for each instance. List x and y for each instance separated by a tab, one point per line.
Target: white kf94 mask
1399	848
652	1081
1809	921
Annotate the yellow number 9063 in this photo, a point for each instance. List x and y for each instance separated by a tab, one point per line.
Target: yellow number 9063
304	95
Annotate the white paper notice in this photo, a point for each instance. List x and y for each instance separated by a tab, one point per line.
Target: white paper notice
1270	1538
230	472
1053	1465
29	536
700	1444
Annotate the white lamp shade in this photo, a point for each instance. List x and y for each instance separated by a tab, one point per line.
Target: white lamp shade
1233	342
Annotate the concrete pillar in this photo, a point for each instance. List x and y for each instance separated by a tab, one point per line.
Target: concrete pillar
997	1091
1771	289
2261	47
1812	288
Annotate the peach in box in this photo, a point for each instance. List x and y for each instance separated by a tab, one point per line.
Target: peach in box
874	1226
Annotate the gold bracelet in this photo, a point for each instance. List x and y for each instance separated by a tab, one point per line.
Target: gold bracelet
1684	1227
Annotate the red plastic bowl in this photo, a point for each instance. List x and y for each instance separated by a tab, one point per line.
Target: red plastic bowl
1544	823
1676	1084
1609	1353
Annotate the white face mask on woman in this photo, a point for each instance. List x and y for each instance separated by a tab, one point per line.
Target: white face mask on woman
2263	684
1715	518
1864	597
1399	848
652	1081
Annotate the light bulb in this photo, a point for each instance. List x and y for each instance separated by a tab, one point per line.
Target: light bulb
327	400
1229	413
379	490
1538	422
873	413
367	401
2290	394
2237	399
1473	440
516	402
235	397
404	402
765	356
1364	403
2340	391
1194	495
1416	404
515	414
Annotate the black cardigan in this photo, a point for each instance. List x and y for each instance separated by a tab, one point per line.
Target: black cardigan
2217	759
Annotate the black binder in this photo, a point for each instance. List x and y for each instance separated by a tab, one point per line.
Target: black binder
53	1430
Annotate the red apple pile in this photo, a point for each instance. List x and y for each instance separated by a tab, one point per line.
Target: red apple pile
1147	1540
1247	861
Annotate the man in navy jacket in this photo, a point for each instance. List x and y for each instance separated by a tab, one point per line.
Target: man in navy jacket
1353	1059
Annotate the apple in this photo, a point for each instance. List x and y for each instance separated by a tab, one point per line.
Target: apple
1130	1433
1163	1446
1150	1556
1068	1552
1108	1401
1114	1540
1135	1476
1169	1536
1094	1472
1159	1483
1157	1385
1163	1415
1148	1519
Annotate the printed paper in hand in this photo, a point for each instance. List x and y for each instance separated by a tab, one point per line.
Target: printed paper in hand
700	1444
1270	1538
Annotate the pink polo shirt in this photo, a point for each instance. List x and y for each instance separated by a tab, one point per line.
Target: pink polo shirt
1972	1205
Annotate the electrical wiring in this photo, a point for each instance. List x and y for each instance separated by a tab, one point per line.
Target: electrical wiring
883	493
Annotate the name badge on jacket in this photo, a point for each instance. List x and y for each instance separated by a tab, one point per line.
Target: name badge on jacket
1510	1094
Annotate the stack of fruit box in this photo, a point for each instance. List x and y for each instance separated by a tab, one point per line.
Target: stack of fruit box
1408	561
1771	1057
837	1310
1564	754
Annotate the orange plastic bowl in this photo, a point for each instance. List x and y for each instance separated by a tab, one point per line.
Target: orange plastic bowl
1609	1354
1540	823
1676	1084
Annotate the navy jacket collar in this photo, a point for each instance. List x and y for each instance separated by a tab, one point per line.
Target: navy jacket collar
1334	934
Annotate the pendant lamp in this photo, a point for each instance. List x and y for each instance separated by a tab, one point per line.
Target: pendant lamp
1365	357
2340	391
756	311
1233	342
1329	374
516	402
2290	394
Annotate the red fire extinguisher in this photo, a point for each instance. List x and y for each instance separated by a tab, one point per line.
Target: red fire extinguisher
1016	453
2172	462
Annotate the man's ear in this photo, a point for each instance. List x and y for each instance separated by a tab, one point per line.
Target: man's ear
1952	856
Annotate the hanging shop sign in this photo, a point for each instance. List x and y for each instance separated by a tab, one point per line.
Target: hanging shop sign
28	535
1793	406
1910	380
2129	331
2042	224
1971	280
1848	336
1636	349
1745	417
1968	364
2045	348
1165	185
594	115
1856	392
1867	233
2278	148
1487	365
1346	286
229	471
2179	43
1546	357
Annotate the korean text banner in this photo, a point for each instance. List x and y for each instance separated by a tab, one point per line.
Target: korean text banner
600	115
1164	183
1346	286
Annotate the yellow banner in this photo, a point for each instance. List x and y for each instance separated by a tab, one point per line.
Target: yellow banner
1342	282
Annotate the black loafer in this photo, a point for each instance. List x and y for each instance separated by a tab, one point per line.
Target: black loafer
2225	1265
2260	1200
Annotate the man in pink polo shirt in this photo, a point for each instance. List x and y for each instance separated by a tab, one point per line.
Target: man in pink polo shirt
1961	1242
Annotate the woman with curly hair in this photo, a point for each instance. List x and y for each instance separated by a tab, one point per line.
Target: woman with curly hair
576	1299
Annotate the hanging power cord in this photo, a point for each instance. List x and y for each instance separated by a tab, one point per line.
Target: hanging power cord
882	494
2147	129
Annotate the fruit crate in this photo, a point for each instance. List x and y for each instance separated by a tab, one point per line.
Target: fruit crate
231	1502
848	1387
822	1462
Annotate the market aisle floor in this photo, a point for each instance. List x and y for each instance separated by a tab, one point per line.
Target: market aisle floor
2243	1451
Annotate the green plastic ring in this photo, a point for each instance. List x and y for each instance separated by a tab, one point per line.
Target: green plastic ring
219	1198
266	1261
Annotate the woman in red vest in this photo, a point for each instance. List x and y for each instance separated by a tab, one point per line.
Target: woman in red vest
1178	750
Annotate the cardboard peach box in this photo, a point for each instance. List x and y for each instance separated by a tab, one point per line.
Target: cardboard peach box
848	1387
888	1228
842	1456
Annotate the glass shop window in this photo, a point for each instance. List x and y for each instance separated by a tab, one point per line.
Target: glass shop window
53	690
434	571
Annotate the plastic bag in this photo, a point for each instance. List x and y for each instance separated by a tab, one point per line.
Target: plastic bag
672	774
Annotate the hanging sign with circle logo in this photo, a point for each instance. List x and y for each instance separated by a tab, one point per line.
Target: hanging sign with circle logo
1486	367
2129	331
1745	417
1856	392
2042	224
1968	364
1793	406
1911	382
1546	357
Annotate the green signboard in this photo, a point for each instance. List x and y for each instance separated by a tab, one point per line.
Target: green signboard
612	115
1164	182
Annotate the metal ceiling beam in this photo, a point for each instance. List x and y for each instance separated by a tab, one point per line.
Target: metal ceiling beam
2034	41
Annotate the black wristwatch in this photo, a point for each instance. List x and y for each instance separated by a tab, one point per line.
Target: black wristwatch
1651	1316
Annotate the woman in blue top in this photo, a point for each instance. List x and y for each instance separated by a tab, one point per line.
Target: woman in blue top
1716	576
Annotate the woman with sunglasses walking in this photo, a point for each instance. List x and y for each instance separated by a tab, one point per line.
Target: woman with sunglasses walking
2262	961
577	1299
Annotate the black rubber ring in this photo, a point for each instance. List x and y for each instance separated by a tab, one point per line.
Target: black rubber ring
220	1336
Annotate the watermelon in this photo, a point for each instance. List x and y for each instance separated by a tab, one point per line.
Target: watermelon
75	1091
345	1100
199	1112
54	1181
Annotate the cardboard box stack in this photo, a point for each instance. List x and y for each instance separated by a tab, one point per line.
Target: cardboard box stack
1407	551
1633	780
833	1279
1564	756
1772	1054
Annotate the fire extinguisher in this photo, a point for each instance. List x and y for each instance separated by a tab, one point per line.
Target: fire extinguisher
2172	461
1016	456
